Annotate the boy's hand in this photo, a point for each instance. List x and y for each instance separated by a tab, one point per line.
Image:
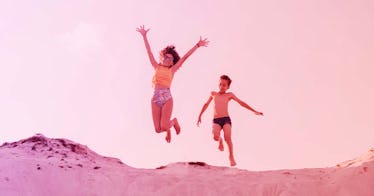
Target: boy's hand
259	113
198	121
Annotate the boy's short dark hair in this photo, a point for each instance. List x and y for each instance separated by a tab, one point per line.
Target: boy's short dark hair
225	77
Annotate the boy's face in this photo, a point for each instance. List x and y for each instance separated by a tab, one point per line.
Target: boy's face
223	85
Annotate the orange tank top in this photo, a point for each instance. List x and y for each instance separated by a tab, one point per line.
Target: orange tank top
163	76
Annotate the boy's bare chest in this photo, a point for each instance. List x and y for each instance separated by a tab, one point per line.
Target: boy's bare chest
221	99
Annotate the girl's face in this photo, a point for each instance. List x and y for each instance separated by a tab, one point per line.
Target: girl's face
223	85
166	59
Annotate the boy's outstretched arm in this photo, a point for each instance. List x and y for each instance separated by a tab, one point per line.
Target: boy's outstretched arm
144	32
243	104
202	42
205	106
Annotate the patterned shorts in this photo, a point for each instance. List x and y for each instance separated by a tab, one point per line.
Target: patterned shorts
161	96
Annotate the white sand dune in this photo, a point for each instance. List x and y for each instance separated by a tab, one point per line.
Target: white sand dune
42	166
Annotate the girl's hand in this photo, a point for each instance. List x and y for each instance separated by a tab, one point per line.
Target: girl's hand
203	42
142	30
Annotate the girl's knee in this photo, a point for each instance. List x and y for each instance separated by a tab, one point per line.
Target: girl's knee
158	129
164	128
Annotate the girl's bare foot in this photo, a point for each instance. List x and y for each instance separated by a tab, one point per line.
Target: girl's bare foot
176	126
168	136
220	147
232	161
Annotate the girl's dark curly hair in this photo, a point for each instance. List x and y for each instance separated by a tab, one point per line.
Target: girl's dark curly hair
171	50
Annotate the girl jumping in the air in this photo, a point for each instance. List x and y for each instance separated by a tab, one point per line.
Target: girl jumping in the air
162	101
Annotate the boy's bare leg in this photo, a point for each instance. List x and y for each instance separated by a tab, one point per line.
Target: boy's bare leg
216	136
227	135
220	146
166	111
174	123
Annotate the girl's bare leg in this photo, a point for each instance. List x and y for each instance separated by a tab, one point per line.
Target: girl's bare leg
175	123
166	111
156	116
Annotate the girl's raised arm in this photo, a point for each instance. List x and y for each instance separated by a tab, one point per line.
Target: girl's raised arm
202	42
144	32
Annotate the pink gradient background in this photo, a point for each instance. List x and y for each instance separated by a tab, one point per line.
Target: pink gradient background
79	70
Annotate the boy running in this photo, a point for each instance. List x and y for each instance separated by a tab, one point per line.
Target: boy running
221	118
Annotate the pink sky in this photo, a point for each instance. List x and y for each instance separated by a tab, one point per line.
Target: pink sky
79	70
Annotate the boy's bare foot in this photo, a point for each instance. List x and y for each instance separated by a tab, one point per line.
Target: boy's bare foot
168	136
176	126
232	161
220	147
